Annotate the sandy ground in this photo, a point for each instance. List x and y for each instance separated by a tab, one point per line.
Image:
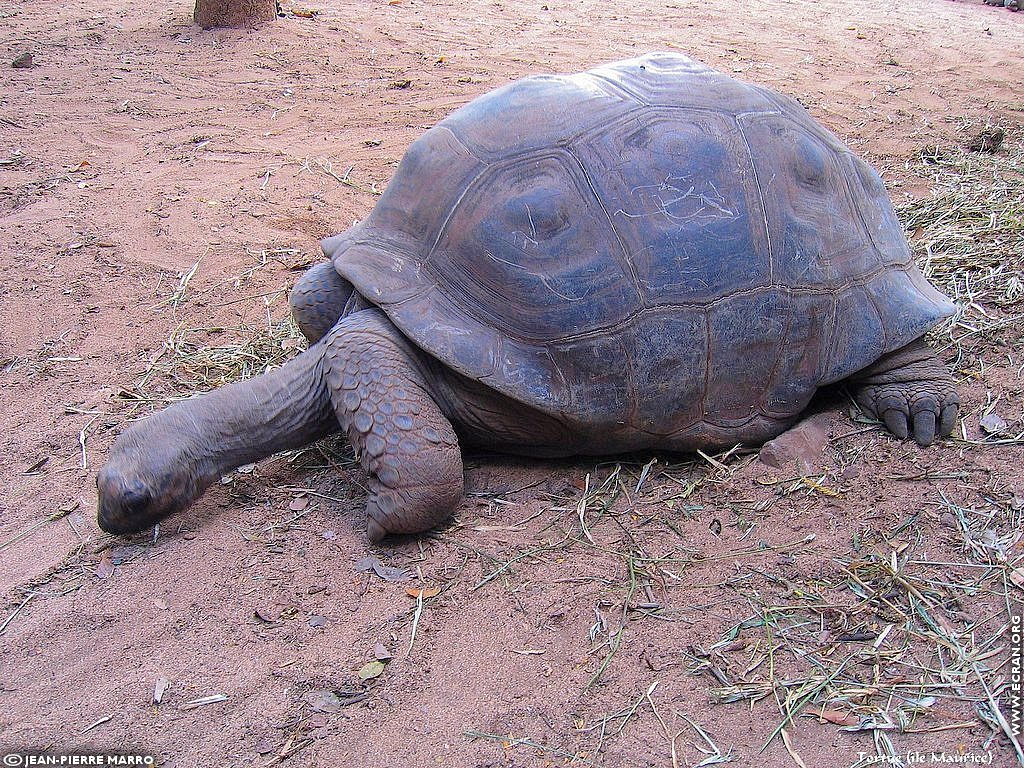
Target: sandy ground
139	147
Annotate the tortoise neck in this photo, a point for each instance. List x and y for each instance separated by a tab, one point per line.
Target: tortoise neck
284	409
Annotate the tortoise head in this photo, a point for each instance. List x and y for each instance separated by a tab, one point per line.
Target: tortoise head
150	474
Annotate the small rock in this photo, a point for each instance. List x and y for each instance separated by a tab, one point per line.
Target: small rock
23	61
317	621
803	445
948	519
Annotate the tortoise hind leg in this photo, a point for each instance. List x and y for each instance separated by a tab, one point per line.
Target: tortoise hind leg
911	391
404	441
318	300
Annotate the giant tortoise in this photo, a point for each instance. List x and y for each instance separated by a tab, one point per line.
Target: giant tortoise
646	256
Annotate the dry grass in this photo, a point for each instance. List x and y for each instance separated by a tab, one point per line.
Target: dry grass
968	236
191	360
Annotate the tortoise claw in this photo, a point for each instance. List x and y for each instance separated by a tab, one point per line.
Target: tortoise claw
896	422
947	419
924	427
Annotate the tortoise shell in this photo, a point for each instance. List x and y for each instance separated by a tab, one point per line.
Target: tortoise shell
650	246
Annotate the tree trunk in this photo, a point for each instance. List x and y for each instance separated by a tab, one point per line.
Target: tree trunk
234	13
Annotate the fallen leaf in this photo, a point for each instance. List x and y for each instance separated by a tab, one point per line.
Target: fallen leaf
424	592
399	84
322	700
394	2
265	615
920	702
299	503
371	670
162	684
787	740
105	567
837	717
386	572
80	167
304	13
992	423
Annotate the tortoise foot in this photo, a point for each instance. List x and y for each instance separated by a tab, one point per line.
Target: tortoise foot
402	438
911	392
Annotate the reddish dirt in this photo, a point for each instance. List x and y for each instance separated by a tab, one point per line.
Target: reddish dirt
140	145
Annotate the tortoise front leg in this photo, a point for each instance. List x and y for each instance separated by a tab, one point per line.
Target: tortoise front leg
318	300
403	440
911	391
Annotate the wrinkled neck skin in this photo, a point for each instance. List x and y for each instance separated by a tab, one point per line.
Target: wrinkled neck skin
241	423
163	463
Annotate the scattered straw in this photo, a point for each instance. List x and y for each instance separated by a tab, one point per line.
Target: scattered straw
189	363
968	236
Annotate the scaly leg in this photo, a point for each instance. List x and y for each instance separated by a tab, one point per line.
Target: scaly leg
318	300
382	400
